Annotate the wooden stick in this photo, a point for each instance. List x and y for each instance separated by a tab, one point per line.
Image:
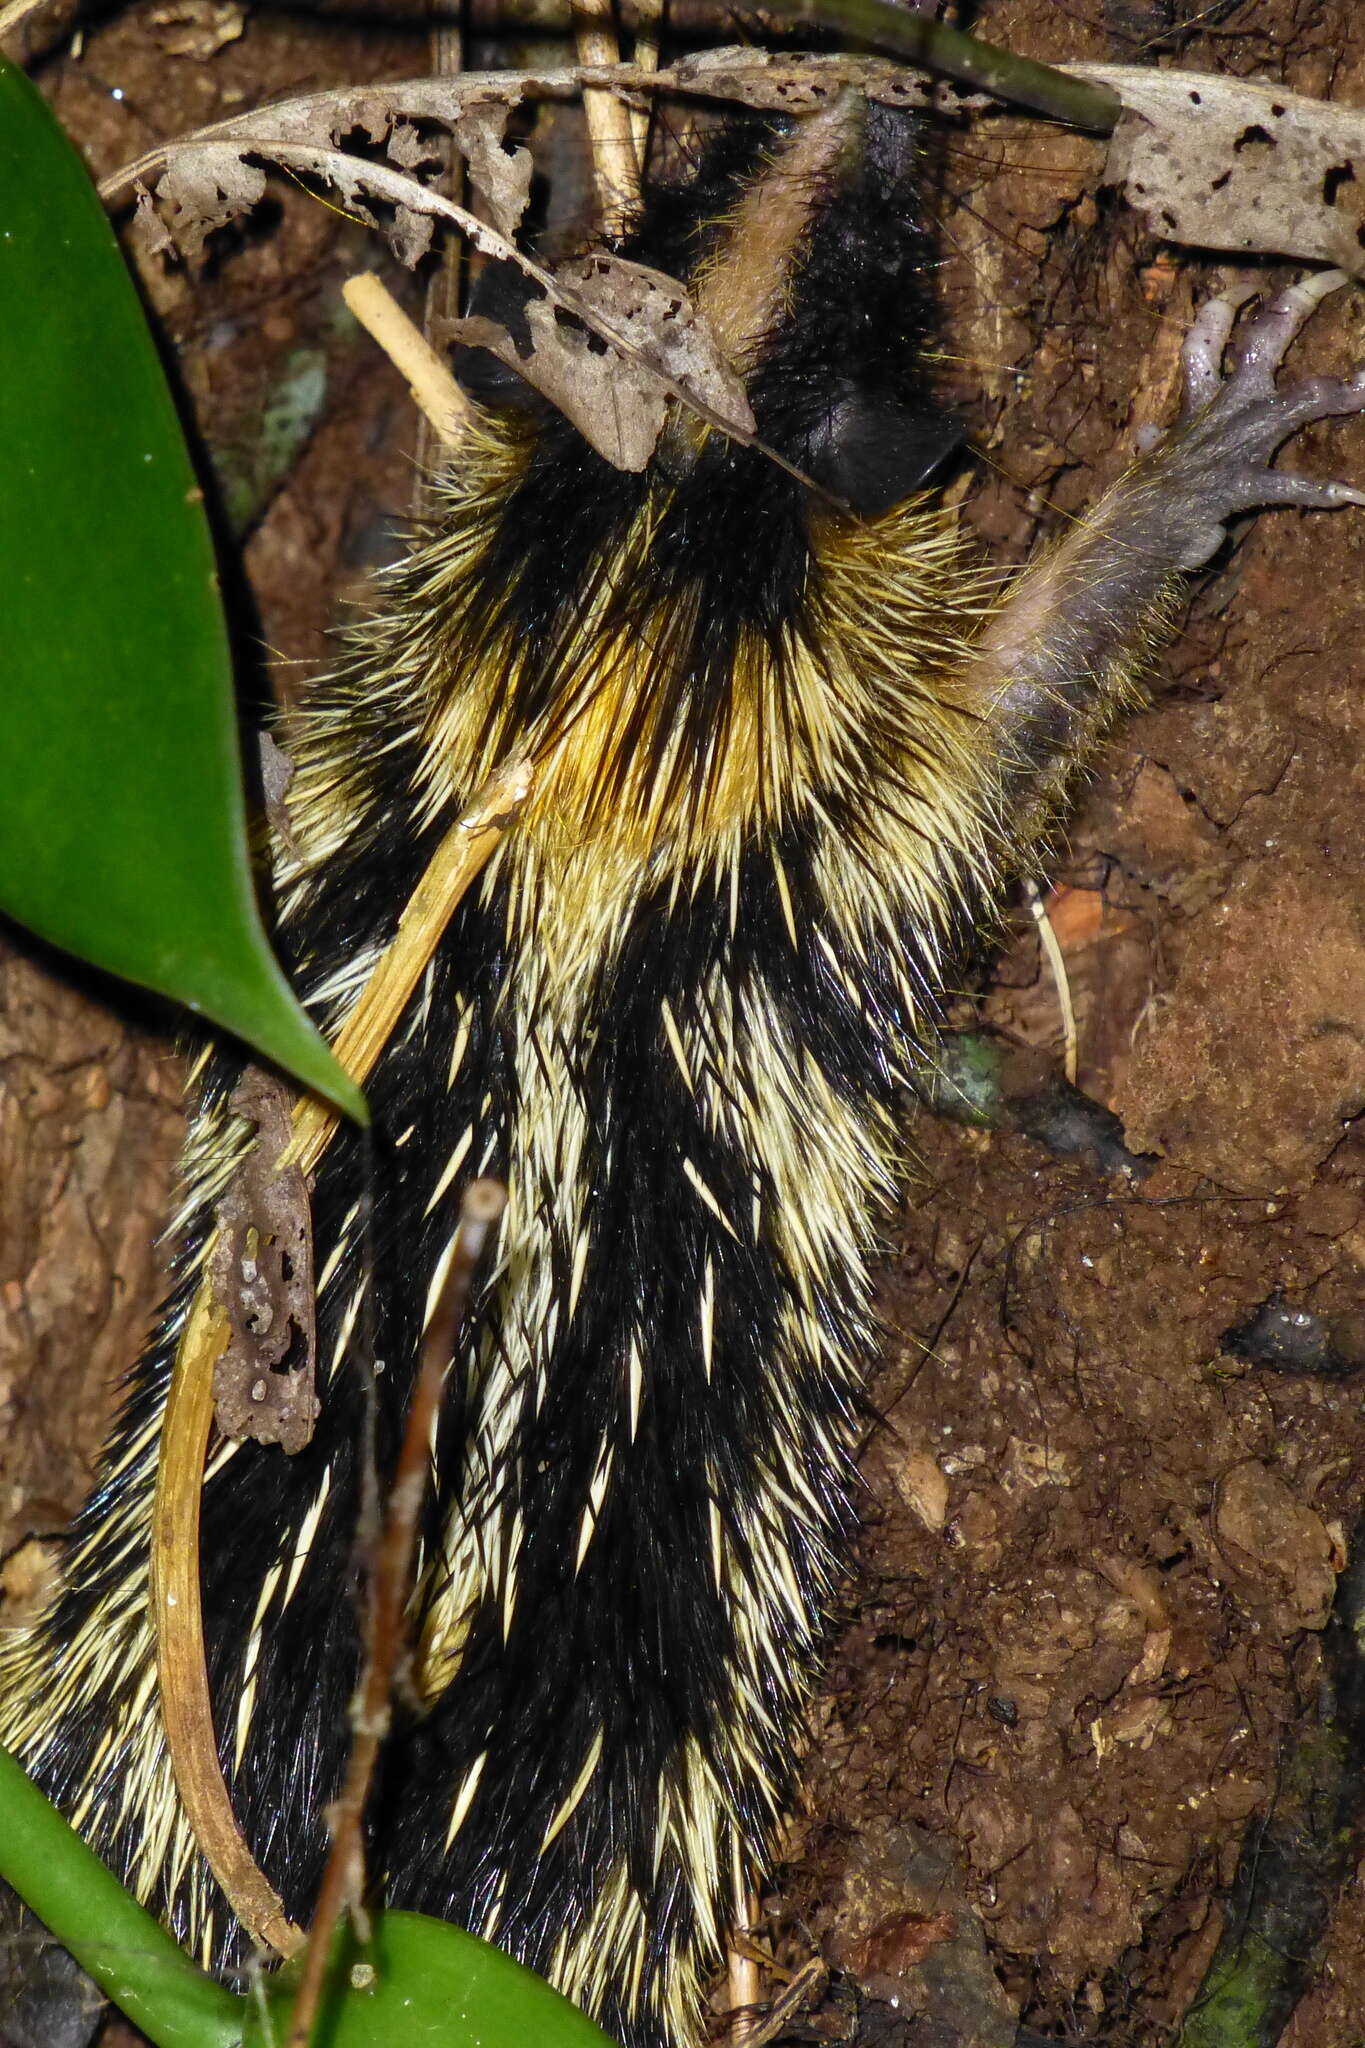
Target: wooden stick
744	1986
457	860
444	287
343	1880
611	136
646	55
438	395
186	1704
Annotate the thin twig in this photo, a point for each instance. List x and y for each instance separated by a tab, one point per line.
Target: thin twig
648	35
744	1985
799	1994
437	394
468	844
445	287
611	133
343	1880
186	1702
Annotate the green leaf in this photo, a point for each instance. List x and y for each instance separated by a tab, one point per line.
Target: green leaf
122	828
419	1983
127	1953
422	1983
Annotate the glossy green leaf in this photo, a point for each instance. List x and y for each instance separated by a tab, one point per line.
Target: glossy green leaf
127	1953
421	1983
122	828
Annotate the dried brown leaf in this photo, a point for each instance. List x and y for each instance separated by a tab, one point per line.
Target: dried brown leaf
618	399
204	188
150	229
261	1272
658	347
616	406
792	84
502	177
657	314
1222	163
410	149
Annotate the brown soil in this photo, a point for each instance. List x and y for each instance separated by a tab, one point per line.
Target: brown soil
1099	1551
